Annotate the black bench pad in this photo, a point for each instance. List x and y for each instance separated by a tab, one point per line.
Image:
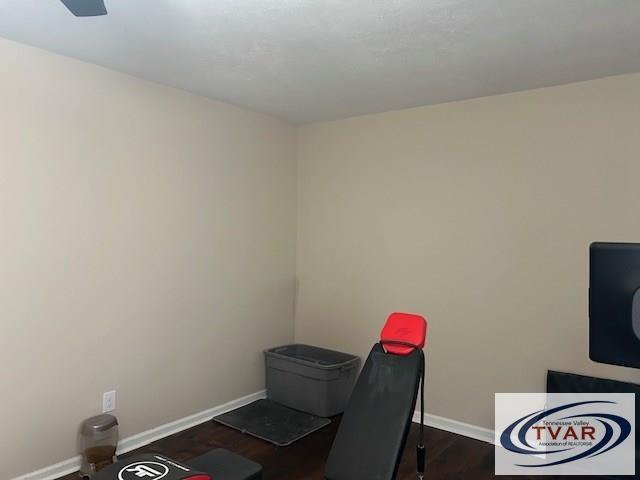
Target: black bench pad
225	465
374	428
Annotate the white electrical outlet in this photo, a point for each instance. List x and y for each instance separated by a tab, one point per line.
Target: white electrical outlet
109	401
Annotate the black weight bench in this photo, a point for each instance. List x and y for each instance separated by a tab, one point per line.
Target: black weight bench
375	425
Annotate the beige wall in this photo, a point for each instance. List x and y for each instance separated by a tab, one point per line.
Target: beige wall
147	245
477	214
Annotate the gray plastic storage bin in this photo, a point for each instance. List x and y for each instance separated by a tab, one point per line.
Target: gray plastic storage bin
311	379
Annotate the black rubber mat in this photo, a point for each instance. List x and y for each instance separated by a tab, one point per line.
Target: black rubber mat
272	422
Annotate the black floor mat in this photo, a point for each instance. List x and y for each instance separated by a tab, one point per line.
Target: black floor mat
272	422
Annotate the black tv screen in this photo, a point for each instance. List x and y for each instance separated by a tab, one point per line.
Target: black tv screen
614	301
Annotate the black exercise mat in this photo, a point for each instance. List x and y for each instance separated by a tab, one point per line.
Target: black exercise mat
272	422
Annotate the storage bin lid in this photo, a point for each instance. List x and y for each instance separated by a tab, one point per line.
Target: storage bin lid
319	357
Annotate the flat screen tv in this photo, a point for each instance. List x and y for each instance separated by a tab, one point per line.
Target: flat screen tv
614	303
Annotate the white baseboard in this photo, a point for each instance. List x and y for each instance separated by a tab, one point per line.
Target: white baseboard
141	439
53	471
454	426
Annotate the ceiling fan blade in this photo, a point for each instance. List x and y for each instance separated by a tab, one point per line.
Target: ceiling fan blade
85	8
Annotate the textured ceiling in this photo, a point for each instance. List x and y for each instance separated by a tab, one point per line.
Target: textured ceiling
310	60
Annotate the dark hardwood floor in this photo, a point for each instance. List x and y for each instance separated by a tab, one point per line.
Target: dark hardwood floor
449	456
